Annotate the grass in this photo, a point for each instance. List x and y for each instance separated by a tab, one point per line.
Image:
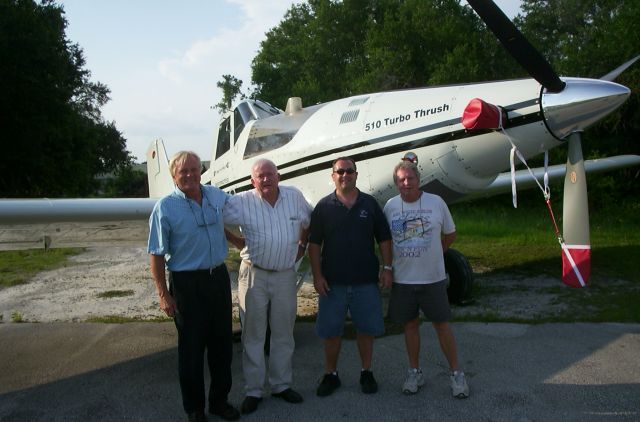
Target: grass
115	293
500	240
17	267
117	319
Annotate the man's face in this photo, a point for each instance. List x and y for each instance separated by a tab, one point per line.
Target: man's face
187	175
344	175
407	184
265	178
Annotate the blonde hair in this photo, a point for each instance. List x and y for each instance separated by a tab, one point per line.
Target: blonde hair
179	158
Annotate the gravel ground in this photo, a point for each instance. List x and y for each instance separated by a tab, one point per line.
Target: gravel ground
112	278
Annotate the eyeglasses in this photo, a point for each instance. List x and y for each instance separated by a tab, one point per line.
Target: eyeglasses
343	171
209	213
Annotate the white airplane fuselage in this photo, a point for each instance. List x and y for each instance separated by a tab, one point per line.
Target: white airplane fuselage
378	129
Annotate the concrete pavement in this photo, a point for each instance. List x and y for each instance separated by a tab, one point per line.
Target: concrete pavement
106	372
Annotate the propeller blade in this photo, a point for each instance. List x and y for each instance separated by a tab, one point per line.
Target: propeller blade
576	259
611	76
517	45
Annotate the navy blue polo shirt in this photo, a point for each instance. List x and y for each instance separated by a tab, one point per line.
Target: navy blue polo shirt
347	238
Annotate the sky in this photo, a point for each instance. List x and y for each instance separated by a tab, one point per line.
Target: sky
161	59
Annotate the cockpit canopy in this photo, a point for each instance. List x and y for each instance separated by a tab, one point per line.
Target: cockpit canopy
244	112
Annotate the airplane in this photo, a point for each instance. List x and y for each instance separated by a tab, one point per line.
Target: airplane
464	139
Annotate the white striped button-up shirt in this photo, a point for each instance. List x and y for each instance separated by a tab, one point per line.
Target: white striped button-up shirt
271	233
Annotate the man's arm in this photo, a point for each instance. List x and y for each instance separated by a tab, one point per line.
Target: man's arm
167	303
447	240
319	282
386	276
302	243
236	241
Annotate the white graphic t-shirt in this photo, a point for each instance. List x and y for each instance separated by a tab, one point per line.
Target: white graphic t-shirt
416	229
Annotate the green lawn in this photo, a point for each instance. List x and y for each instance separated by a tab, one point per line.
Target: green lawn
498	239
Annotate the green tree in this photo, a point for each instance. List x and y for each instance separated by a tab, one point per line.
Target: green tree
231	88
323	50
53	136
127	183
313	52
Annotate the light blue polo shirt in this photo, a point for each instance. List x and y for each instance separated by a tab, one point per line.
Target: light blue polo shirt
189	235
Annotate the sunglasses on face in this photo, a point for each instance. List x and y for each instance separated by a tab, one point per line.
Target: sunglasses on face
343	171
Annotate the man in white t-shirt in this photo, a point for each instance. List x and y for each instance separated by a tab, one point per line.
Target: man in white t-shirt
422	230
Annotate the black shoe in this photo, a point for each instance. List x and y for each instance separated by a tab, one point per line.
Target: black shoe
250	404
368	384
289	395
329	384
196	416
225	411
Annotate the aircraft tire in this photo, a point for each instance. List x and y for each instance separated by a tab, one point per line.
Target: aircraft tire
460	276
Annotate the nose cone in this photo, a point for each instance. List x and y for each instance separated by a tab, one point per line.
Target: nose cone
580	104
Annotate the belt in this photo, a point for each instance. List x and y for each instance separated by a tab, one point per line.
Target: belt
210	270
264	269
260	268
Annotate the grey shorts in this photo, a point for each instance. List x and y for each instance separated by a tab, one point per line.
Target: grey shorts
406	301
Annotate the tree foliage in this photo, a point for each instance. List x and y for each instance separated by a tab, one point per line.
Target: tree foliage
54	138
324	49
231	88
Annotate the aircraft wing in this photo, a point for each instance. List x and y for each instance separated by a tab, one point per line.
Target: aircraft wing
27	211
523	178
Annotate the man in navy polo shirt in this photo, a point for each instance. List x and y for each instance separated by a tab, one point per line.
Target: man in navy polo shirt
346	270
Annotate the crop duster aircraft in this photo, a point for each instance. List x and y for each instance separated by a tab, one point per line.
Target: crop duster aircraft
461	136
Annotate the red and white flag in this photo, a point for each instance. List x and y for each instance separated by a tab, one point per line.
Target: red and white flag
576	265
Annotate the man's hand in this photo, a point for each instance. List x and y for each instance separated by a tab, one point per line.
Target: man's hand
321	285
301	252
168	305
386	279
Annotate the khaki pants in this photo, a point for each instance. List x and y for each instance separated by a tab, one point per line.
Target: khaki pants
267	297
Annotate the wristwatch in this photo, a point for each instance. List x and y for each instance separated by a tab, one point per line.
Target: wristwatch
387	267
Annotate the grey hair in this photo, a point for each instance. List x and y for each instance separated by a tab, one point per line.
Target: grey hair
407	165
260	162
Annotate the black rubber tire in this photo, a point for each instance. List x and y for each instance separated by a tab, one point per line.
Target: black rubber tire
460	276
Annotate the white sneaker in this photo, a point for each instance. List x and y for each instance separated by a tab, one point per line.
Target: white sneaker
414	381
459	387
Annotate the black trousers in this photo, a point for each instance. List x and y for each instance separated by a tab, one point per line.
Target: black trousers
204	324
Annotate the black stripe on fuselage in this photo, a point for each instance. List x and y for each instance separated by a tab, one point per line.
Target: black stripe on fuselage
392	149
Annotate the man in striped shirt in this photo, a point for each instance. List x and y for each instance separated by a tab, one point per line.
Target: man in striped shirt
274	221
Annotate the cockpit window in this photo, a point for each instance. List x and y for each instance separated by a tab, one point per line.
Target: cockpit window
224	138
265	109
268	142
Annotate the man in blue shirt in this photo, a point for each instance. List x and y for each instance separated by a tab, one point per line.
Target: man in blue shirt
186	234
345	269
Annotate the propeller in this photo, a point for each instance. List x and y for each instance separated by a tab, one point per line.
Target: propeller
576	257
575	241
517	45
616	72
